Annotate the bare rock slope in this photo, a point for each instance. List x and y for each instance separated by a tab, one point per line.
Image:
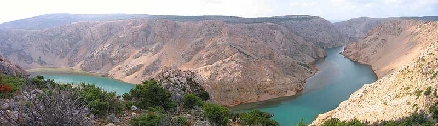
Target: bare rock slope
399	92
241	61
357	28
11	69
392	44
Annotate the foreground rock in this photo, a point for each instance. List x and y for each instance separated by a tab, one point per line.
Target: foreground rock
399	92
240	60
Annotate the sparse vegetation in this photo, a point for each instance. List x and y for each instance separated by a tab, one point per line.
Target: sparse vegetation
150	94
75	105
9	85
149	119
100	102
434	75
190	101
217	114
337	122
418	93
258	118
416	119
428	91
52	104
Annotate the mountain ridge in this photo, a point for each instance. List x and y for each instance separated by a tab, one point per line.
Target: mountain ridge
243	62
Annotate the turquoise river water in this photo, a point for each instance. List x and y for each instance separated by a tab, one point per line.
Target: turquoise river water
337	78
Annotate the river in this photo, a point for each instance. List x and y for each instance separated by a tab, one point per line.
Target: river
337	78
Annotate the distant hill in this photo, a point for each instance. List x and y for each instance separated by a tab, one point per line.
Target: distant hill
357	28
52	20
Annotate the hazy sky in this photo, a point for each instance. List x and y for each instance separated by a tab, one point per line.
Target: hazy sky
328	9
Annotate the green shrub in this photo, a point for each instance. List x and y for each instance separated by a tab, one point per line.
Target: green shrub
428	91
9	85
126	96
100	102
128	105
203	95
418	92
257	117
149	119
182	121
434	75
150	94
337	122
216	114
434	110
190	101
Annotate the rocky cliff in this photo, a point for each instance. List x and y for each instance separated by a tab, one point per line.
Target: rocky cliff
357	28
391	45
240	60
319	31
11	69
410	50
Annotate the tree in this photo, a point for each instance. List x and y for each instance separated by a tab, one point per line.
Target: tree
217	114
257	117
100	102
150	94
191	100
149	119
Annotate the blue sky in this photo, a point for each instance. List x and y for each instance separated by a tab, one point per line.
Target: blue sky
328	9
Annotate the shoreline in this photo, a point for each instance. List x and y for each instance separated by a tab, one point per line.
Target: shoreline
67	71
360	62
276	100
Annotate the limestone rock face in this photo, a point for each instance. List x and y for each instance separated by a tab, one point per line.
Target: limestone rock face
239	60
358	28
392	44
398	93
319	31
11	69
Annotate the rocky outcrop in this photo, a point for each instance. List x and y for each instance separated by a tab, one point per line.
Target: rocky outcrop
319	31
358	28
392	44
11	69
240	60
180	83
402	91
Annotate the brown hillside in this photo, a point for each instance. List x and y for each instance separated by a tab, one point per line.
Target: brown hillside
240	62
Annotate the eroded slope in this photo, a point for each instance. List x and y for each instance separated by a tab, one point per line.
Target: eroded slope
240	62
400	92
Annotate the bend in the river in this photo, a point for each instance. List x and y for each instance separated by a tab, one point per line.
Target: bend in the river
337	78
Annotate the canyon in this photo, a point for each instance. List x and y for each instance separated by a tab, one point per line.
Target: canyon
403	53
240	59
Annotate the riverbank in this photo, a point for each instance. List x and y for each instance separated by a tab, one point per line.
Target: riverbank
67	71
337	78
57	70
